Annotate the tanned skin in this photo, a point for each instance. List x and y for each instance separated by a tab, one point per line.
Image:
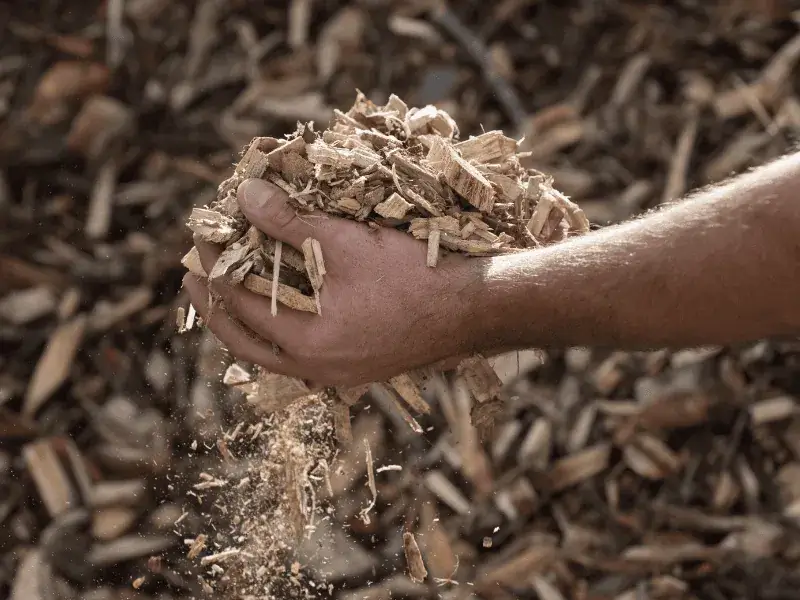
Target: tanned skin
719	267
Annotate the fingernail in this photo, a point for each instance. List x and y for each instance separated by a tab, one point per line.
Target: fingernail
255	193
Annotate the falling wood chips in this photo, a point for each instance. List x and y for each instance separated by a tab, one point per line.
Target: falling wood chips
390	166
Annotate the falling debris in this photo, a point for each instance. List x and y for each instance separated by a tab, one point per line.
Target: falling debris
416	566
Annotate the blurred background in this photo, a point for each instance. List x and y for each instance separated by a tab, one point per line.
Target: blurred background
613	475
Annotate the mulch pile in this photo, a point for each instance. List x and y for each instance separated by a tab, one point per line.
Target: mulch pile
610	475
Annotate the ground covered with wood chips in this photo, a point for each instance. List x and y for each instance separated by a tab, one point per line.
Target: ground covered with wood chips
128	469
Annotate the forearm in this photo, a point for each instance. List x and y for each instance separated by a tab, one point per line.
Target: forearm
720	267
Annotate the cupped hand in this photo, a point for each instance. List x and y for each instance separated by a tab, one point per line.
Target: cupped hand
384	311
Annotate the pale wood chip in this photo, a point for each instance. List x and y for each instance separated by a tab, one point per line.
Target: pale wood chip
52	481
417	172
778	408
431	119
24	306
508	189
394	207
481	379
101	201
55	363
402	411
219	557
276	271
546	590
578	467
421	228
236	375
488	147
413	196
463	177
254	163
315	267
229	259
448	493
649	457
274	391
212	226
289	255
396	104
111	522
541	214
409	391
180	319
350	206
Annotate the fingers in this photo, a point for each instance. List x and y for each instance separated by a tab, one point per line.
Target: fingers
252	309
238	342
267	207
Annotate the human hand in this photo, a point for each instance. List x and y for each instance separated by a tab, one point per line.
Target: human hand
384	311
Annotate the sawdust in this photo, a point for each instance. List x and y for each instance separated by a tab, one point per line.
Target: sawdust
271	496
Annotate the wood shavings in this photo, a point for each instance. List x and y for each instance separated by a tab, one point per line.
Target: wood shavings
276	270
364	513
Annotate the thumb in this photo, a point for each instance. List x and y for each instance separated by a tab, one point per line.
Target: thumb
267	207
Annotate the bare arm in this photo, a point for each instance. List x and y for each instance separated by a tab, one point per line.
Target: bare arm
721	267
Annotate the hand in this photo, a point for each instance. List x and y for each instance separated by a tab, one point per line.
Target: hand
384	311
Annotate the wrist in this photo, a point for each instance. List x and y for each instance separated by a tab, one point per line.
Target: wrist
484	315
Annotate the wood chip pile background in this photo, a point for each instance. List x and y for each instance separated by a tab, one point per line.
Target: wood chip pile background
130	471
390	166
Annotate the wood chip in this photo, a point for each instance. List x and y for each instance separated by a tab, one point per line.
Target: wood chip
409	391
578	467
416	566
489	147
315	266
462	176
54	364
394	207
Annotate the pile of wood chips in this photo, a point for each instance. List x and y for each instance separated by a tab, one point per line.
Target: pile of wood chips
390	166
